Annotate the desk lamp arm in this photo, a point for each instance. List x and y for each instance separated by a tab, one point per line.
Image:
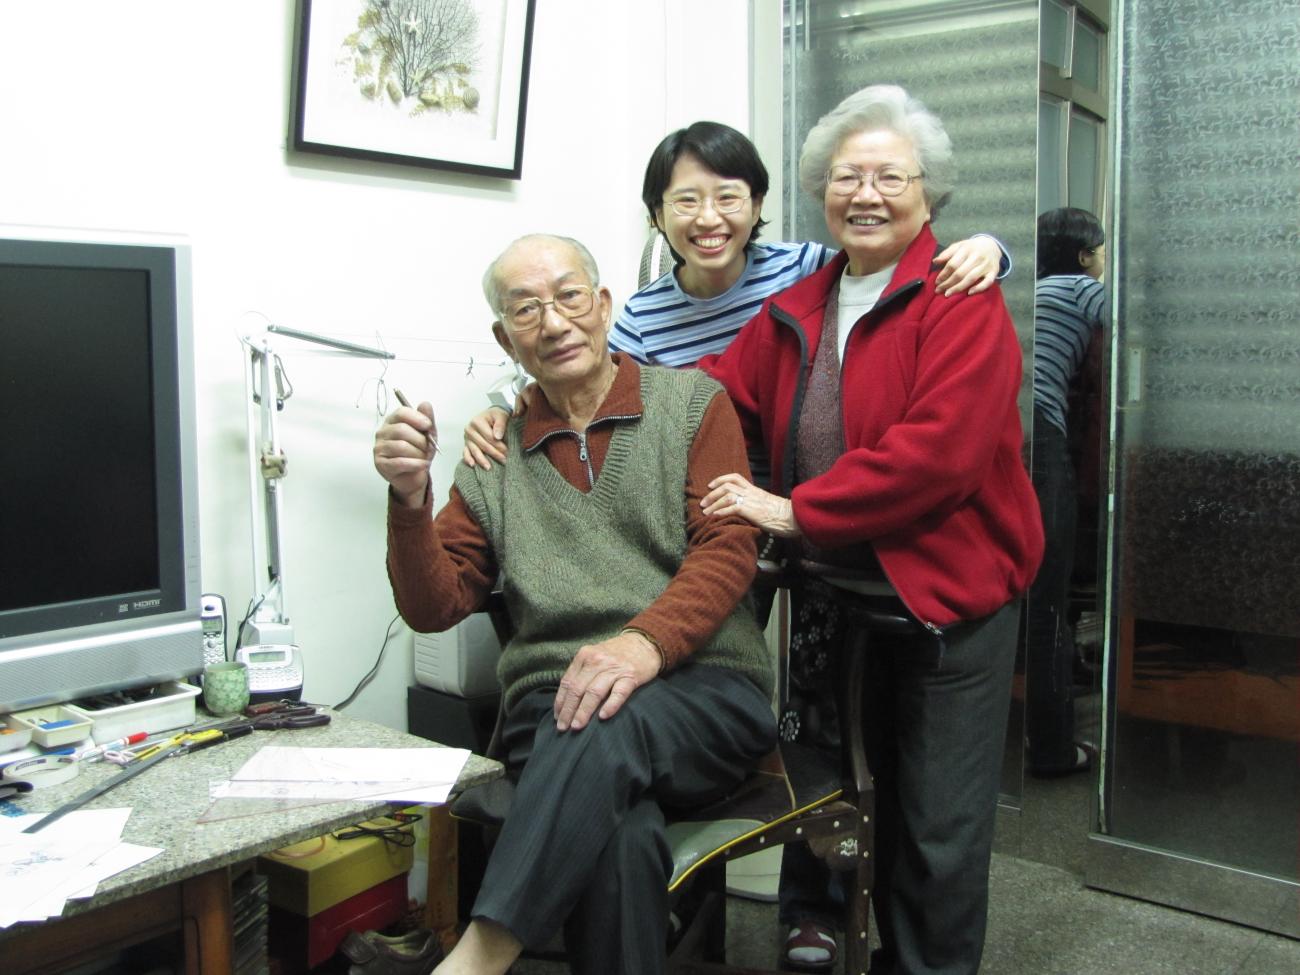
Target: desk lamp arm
267	389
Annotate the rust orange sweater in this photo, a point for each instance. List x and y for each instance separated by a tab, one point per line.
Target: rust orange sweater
442	567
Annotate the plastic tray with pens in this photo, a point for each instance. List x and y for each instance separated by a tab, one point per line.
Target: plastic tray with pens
13	735
50	727
153	709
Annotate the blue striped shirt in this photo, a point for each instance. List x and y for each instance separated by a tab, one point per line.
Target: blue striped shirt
663	325
1068	310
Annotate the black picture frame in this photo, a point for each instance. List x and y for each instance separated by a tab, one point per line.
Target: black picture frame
373	80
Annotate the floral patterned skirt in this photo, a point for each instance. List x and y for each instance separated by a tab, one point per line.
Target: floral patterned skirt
817	631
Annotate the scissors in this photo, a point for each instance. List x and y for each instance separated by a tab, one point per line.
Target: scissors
290	716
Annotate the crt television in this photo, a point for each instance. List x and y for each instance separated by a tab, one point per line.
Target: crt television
99	541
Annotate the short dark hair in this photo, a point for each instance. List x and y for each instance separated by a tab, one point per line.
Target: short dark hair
1062	234
721	148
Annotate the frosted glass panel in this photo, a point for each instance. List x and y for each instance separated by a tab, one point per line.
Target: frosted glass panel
1051	162
1206	571
1085	162
979	74
1085	67
1054	34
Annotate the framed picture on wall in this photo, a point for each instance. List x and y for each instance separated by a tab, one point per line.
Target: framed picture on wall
441	84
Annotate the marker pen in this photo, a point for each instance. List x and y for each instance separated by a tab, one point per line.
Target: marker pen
97	751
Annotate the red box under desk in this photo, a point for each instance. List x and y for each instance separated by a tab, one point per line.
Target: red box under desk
302	943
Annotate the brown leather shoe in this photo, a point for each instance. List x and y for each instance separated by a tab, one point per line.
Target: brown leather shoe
391	956
412	940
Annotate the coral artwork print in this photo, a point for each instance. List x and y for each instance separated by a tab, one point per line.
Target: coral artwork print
440	83
418	55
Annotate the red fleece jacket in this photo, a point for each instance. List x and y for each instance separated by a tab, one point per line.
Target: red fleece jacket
932	474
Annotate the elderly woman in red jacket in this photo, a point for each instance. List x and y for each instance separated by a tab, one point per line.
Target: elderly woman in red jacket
889	413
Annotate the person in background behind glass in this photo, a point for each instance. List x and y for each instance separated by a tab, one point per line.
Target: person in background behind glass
1069	308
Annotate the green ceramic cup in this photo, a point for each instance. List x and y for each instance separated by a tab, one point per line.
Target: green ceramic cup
225	688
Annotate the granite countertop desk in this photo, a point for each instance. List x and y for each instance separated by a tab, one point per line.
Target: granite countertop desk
189	881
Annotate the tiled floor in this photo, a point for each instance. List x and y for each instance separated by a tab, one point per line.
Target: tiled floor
1043	920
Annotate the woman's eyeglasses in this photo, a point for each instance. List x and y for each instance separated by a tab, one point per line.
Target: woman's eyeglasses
888	181
689	206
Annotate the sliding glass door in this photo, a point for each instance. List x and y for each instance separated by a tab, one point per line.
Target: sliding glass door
1198	799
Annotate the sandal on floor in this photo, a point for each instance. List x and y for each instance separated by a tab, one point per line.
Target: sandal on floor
809	947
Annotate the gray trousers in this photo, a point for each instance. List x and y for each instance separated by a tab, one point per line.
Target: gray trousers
584	845
936	755
935	728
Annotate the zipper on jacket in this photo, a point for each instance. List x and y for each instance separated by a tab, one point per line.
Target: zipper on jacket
896	295
937	633
786	470
584	454
791	322
586	459
787	462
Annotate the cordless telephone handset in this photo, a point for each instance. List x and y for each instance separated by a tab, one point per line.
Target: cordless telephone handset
213	612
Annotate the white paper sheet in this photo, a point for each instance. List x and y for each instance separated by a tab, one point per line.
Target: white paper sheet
33	867
286	763
397	774
84	884
325	791
39	871
103	823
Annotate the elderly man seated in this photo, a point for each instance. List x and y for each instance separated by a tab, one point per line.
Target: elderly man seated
638	679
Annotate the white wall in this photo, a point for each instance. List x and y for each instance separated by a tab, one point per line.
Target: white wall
160	116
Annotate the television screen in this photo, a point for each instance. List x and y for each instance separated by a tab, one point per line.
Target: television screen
98	495
80	504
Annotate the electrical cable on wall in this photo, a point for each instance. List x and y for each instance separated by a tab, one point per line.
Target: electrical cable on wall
361	685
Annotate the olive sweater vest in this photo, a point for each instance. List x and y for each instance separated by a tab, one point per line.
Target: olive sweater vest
576	568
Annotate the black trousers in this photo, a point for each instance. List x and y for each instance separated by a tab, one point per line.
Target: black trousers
935	727
584	845
1049	666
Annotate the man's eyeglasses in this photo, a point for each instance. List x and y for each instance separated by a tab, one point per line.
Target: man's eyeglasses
689	206
572	301
888	181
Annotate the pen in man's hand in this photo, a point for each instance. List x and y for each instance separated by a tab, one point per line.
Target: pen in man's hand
401	398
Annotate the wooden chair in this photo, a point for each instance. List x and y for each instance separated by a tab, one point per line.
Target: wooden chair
796	794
